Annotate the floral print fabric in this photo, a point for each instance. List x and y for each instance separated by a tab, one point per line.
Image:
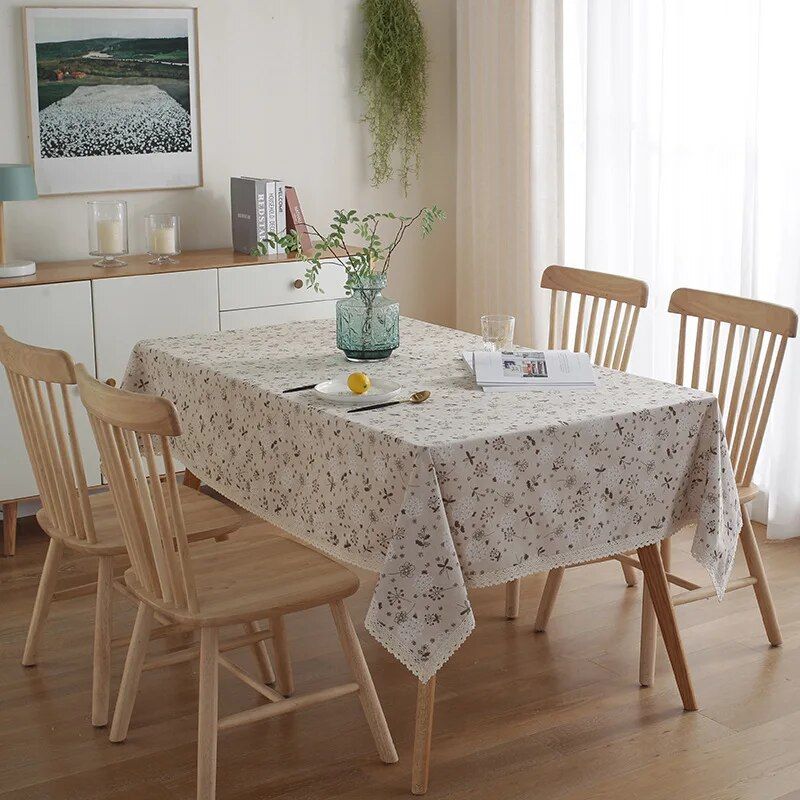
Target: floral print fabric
468	489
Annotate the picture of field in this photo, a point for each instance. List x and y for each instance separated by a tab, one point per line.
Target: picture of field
109	87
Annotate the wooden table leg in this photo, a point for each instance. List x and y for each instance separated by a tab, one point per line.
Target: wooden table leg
548	598
9	528
658	588
649	639
512	599
191	480
423	729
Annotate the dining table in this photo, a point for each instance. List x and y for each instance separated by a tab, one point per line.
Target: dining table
468	489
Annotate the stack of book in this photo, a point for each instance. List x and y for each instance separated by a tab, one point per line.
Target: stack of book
531	370
261	205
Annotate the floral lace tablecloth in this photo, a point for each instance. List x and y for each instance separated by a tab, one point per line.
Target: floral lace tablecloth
469	489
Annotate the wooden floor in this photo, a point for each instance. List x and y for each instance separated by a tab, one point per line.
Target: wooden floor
556	716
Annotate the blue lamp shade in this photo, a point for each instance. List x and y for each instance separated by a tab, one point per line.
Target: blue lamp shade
16	182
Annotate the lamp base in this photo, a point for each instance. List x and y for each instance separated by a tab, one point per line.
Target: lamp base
17	269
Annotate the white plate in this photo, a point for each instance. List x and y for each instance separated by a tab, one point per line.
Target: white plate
336	391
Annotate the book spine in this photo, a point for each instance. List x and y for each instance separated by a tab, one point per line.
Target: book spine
234	212
295	221
272	220
244	214
260	189
280	212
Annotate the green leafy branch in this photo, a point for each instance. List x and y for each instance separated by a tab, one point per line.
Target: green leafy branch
380	233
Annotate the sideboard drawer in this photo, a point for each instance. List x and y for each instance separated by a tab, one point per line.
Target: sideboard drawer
274	315
275	285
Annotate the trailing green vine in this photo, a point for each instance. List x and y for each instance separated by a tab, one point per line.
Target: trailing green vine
394	84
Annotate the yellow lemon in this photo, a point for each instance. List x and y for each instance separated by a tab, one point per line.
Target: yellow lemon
358	382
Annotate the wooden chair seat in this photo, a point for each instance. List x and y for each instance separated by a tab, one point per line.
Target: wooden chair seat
206	518
748	493
255	576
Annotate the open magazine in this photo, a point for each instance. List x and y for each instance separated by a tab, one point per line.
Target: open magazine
522	370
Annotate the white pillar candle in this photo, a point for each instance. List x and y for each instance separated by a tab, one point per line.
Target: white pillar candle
109	236
162	241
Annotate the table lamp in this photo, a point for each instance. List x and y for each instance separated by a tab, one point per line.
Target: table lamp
16	183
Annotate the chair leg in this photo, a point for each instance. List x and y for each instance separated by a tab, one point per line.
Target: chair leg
283	663
548	599
649	632
512	599
367	694
423	732
647	641
261	654
630	574
658	587
10	528
208	715
128	688
761	587
103	618
41	606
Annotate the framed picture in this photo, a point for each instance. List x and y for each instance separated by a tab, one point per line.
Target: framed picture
113	98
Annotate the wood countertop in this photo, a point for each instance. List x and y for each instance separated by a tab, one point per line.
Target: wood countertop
83	270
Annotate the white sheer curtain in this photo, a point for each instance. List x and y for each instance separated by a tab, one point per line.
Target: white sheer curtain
510	190
682	167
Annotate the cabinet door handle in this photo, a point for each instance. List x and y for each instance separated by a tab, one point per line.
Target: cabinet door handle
298	284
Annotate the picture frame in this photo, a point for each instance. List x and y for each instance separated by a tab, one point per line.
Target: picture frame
113	98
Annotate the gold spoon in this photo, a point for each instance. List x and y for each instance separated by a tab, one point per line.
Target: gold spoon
417	397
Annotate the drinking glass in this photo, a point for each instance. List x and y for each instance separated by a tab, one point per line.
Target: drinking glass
108	231
163	237
498	331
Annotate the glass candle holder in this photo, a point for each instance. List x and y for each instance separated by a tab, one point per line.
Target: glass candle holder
163	237
108	231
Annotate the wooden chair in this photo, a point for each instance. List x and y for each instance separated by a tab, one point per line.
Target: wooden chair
210	585
742	366
40	381
615	301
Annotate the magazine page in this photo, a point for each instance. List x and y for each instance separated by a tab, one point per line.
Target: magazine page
529	368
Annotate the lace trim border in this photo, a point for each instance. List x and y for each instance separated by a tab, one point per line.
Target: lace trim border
452	640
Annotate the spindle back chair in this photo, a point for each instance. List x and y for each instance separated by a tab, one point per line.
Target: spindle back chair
733	347
604	327
149	510
739	359
40	379
607	313
211	585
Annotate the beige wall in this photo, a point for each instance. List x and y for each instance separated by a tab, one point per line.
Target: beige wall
277	89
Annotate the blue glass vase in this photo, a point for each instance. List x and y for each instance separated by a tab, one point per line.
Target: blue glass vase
367	323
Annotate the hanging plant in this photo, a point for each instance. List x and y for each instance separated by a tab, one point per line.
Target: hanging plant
394	84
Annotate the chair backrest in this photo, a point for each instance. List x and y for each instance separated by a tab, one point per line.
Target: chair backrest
744	380
39	380
127	424
610	346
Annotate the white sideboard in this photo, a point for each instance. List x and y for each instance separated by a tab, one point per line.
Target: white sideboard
98	315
